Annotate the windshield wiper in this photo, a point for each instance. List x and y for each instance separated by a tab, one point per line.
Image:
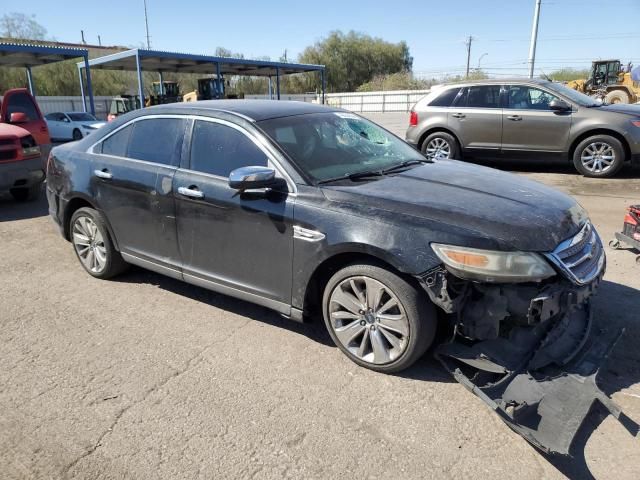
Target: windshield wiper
403	165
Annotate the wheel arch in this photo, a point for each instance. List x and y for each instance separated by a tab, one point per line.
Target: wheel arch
314	290
429	131
75	203
600	131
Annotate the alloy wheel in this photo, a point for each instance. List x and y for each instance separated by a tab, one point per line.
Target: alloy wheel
438	149
598	157
368	320
89	244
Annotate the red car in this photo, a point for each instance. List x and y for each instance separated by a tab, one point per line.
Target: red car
19	108
21	170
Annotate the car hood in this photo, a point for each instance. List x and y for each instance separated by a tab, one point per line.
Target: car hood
7	130
450	196
93	123
622	108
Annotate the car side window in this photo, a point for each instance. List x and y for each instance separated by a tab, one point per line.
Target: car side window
157	140
445	99
484	96
523	97
117	143
219	149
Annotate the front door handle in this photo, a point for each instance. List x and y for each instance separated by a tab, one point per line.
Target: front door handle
104	173
515	118
191	192
458	115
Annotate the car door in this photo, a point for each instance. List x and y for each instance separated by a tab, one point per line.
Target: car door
529	125
476	118
240	243
54	121
133	170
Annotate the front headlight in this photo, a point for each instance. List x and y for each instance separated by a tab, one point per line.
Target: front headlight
493	266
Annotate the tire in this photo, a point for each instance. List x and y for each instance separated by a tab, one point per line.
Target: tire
591	155
440	146
88	231
617	96
25	194
401	332
77	134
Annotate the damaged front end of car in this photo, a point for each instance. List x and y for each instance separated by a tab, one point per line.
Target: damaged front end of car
523	337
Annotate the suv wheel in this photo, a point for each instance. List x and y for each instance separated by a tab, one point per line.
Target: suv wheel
599	156
93	246
378	319
440	146
25	194
77	134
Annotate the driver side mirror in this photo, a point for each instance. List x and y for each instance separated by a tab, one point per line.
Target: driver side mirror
558	105
248	178
18	117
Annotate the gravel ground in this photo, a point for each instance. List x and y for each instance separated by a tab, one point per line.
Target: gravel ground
147	377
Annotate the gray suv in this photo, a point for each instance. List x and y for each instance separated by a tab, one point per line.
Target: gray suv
526	118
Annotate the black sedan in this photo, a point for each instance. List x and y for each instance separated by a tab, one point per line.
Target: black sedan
310	210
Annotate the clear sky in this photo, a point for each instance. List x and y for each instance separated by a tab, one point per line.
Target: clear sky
572	32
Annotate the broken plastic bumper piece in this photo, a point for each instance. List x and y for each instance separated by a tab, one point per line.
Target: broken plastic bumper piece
541	381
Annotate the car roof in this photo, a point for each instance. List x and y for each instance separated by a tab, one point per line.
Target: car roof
500	81
255	110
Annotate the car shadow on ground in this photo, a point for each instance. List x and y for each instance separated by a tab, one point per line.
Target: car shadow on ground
547	166
615	307
11	210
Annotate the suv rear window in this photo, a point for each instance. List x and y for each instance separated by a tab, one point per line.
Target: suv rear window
445	98
482	96
20	102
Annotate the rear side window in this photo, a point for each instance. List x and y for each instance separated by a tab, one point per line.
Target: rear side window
117	143
20	102
485	96
157	140
445	99
218	149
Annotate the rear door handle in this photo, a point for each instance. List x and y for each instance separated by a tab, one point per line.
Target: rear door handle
458	115
191	192
515	118
104	173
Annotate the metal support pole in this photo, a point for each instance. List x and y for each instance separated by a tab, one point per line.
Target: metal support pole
219	80
30	82
534	38
87	72
161	83
278	82
140	85
84	100
323	80
270	89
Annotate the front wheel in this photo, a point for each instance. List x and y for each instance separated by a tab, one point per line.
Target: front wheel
440	146
378	319
77	134
599	156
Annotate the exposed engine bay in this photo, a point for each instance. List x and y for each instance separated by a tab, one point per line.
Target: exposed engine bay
529	351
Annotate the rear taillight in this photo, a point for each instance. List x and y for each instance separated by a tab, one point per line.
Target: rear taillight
413	118
636	123
628	218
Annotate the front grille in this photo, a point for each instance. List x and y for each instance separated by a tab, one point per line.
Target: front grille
582	257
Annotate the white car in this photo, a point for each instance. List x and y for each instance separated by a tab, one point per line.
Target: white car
71	125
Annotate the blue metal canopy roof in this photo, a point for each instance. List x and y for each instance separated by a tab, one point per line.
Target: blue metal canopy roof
27	55
160	61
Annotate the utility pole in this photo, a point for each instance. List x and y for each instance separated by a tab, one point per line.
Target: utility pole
99	40
534	38
468	44
82	35
146	24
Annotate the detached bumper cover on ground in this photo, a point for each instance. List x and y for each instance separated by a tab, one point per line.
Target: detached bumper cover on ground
529	351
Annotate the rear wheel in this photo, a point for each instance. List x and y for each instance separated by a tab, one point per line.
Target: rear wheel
25	194
599	156
77	134
377	318
617	96
440	146
93	245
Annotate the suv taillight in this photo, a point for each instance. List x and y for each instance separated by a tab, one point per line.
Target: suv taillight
413	118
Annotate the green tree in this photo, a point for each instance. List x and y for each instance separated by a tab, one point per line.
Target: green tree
22	27
568	74
394	81
353	59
